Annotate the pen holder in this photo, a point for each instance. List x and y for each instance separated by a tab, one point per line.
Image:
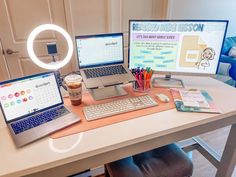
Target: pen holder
142	85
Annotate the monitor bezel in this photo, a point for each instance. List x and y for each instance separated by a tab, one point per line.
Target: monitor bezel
36	112
99	35
178	20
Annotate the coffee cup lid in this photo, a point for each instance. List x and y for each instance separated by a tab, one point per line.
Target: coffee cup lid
73	78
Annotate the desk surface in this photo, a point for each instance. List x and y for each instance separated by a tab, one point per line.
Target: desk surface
47	153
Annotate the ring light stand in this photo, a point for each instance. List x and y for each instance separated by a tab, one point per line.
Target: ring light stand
36	60
54	65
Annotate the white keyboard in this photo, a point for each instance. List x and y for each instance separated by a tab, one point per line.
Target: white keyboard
98	111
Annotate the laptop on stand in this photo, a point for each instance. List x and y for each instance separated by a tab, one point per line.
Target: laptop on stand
33	107
101	60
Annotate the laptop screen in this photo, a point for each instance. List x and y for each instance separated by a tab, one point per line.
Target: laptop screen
26	95
99	50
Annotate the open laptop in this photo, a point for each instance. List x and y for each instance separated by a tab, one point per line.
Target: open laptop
101	60
33	107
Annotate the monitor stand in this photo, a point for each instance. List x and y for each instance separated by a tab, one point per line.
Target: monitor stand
107	92
167	81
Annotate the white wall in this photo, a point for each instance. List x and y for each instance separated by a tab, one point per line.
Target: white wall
204	9
105	16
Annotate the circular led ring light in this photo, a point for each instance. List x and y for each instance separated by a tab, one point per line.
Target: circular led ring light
36	60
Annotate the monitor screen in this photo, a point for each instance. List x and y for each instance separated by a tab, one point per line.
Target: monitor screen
99	50
27	95
176	46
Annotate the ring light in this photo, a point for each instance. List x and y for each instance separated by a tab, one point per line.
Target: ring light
36	60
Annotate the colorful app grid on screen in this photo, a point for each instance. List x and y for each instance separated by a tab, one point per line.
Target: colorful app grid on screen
24	96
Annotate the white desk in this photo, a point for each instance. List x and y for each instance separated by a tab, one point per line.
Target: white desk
109	143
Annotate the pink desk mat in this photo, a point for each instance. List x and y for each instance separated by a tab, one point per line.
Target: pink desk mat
87	99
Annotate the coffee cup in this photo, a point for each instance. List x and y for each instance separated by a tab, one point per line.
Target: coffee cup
74	87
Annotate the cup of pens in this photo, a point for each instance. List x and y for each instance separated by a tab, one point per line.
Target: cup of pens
143	79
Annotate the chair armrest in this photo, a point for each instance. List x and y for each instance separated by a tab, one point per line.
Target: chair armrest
224	68
232	61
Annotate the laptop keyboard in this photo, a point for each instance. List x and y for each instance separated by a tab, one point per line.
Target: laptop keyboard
106	71
38	119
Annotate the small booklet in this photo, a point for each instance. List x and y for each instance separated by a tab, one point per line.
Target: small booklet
193	100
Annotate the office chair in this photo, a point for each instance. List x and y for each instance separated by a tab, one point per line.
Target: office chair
166	161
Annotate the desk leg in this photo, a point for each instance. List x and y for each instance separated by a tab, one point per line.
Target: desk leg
228	160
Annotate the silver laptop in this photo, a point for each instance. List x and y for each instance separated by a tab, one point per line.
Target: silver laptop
101	60
33	107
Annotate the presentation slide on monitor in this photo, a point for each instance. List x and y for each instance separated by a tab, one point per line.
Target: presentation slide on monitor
176	46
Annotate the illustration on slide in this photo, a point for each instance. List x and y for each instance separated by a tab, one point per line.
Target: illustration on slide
206	55
191	49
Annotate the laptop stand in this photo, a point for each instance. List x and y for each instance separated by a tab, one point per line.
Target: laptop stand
107	92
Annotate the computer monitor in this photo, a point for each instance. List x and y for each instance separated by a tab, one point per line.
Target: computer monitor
176	46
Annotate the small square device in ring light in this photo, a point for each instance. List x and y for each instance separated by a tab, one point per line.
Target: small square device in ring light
52	48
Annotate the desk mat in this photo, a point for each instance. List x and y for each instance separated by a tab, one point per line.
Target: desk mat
87	99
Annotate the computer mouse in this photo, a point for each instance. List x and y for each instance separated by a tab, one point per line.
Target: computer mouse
162	97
